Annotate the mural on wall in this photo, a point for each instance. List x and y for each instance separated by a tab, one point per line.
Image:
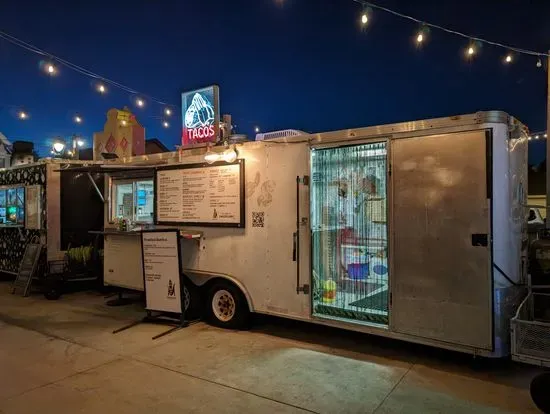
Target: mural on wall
14	240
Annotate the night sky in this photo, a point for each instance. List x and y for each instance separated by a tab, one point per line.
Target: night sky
303	64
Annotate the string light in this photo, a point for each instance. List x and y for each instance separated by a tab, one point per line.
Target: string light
78	119
257	129
470	51
165	124
508	58
140	102
539	63
23	115
420	38
168	112
101	88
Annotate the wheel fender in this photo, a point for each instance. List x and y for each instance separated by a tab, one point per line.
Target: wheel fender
200	278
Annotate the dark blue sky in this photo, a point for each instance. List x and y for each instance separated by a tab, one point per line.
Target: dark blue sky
305	64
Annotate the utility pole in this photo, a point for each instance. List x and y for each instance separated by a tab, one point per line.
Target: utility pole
548	138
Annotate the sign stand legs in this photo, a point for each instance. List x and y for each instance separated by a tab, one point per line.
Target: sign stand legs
158	319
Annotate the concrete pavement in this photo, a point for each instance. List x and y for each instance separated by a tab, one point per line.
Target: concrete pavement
60	356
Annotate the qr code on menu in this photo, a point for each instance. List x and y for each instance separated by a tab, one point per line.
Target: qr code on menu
258	219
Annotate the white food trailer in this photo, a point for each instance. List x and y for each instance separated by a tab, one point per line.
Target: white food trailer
414	231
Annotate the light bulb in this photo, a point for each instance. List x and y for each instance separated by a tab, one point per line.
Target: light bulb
230	155
211	157
529	138
537	137
545	135
168	111
508	59
257	130
50	69
471	51
58	146
23	115
165	124
420	38
539	63
364	19
140	103
123	122
80	143
101	88
78	119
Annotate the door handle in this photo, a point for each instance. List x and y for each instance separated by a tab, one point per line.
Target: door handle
480	240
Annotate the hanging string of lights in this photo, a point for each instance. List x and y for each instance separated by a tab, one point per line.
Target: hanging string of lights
51	67
101	83
473	42
538	135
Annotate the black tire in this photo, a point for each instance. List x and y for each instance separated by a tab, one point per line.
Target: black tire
539	392
52	293
232	306
191	300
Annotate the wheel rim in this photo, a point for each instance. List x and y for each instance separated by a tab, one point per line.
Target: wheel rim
223	305
186	298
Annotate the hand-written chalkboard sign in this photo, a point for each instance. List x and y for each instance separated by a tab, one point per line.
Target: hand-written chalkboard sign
27	269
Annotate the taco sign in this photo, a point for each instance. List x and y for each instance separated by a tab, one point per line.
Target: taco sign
201	116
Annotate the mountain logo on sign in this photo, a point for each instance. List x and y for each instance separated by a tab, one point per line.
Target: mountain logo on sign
171	289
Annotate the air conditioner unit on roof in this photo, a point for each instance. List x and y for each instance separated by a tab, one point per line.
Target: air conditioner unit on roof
286	133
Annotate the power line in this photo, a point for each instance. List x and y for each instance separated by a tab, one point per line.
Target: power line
366	4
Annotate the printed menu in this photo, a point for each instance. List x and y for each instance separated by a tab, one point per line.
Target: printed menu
200	195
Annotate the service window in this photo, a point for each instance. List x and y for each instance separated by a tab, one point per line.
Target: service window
132	200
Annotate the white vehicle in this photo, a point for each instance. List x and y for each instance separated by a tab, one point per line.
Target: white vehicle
413	231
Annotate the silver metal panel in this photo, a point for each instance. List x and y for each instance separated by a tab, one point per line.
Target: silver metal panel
441	284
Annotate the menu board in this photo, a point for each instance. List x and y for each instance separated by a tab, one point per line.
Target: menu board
161	268
201	195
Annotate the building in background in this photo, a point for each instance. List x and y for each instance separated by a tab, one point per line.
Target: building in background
122	136
23	153
5	151
537	187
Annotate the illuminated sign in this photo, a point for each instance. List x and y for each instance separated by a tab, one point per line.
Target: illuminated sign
201	116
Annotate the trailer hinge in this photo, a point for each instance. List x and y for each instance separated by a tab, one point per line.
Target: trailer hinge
303	180
303	289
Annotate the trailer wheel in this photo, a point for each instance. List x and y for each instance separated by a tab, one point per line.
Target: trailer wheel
539	391
227	306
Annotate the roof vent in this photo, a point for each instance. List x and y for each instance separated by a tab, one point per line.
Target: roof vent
286	133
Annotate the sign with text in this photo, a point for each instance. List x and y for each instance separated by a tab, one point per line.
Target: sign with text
201	116
201	195
161	269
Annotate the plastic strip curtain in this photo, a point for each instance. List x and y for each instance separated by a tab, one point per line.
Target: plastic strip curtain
349	229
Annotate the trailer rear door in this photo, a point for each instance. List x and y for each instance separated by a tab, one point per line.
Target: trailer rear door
441	275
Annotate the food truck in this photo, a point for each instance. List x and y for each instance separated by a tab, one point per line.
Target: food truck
414	231
41	204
